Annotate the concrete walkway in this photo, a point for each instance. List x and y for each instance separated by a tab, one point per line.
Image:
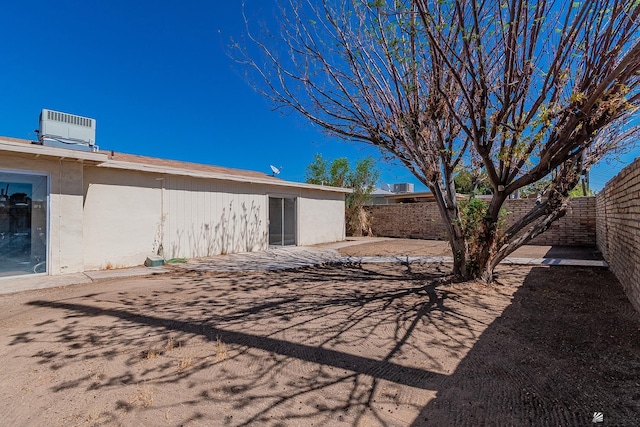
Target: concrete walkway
10	285
271	260
301	256
449	260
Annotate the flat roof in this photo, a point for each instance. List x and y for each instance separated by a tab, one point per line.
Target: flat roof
123	161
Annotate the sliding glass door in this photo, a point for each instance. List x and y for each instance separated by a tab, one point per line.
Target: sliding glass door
23	223
282	221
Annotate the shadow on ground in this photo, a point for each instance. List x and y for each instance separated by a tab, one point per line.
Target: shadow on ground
353	345
567	346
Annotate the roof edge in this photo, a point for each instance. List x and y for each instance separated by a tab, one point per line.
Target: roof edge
101	159
7	144
141	167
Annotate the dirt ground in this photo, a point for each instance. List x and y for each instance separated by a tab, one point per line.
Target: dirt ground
369	345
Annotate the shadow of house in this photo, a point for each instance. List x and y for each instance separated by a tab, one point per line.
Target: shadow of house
560	352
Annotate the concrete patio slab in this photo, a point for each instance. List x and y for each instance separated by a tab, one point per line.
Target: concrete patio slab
273	259
9	285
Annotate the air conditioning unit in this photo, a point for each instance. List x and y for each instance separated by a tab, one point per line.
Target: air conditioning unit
403	188
63	130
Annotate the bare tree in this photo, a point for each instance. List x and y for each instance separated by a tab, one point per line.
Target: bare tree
518	88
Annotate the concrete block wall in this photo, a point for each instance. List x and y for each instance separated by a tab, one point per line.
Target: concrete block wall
423	221
407	220
601	224
576	228
618	224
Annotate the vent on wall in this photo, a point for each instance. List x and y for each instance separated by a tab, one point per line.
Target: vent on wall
63	130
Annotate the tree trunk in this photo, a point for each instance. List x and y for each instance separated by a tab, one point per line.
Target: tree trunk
495	244
475	264
460	256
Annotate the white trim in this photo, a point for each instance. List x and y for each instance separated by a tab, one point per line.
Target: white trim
41	150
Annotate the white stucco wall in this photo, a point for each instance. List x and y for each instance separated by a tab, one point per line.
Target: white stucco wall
320	217
121	217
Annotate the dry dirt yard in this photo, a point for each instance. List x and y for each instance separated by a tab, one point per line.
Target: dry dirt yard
357	345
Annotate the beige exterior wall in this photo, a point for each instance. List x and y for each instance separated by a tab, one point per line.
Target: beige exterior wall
65	178
205	217
121	217
320	217
128	214
101	216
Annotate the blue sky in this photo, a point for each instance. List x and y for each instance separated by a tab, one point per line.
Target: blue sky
155	76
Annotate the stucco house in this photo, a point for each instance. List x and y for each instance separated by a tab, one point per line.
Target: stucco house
66	210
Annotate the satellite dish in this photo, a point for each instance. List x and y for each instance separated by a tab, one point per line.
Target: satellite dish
275	170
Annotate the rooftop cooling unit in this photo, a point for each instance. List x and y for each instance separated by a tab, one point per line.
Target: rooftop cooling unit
403	188
64	130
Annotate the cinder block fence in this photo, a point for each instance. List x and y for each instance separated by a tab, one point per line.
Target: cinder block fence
423	221
618	228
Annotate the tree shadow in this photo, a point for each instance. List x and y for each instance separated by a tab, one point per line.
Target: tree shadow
574	252
320	344
351	345
238	229
566	347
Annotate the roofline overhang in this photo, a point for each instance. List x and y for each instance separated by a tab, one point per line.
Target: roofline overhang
102	160
168	170
44	151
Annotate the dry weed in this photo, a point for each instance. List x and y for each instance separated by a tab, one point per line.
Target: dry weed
185	363
221	350
143	397
150	353
171	344
98	375
154	352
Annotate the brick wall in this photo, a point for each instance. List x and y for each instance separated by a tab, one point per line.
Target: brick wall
601	224
423	221
576	228
618	225
408	220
